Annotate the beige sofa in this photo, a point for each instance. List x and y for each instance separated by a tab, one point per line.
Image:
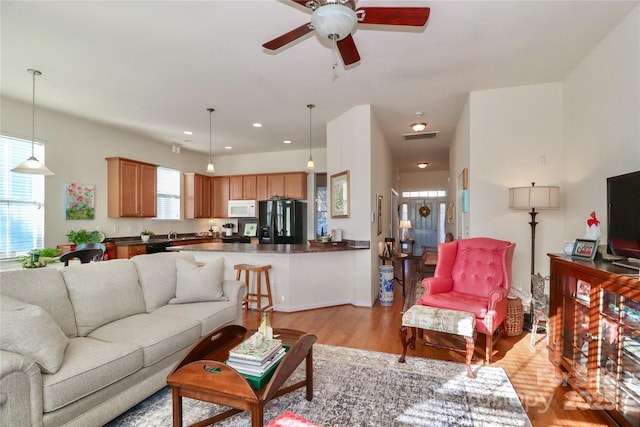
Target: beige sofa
83	344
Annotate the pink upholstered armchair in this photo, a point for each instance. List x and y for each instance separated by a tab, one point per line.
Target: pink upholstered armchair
473	275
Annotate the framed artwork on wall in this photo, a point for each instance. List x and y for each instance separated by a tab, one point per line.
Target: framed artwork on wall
79	201
465	178
340	195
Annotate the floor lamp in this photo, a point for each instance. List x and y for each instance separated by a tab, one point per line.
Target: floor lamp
532	198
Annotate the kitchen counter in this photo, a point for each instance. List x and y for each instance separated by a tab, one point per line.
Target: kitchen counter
262	248
302	277
179	240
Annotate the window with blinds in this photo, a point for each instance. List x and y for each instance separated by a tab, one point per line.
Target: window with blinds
21	200
168	190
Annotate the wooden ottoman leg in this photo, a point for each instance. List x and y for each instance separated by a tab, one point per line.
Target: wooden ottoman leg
470	347
403	338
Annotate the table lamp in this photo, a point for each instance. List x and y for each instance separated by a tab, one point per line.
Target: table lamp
405	224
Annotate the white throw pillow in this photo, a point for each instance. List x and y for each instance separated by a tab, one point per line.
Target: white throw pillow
197	284
30	331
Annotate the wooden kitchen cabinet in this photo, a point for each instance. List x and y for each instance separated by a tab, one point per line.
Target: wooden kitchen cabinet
242	187
275	185
129	251
131	188
219	196
595	334
295	185
262	188
197	196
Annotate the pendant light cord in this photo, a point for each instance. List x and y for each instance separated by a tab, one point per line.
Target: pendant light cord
34	73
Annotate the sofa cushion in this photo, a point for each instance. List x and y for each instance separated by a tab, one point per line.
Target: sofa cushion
89	365
199	283
102	292
30	331
158	335
157	276
44	287
211	315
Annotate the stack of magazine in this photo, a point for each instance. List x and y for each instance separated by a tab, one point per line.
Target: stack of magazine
256	357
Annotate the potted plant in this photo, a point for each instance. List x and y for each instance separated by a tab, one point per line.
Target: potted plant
228	228
83	236
145	235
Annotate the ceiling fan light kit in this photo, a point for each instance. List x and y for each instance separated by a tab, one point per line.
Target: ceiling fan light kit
334	21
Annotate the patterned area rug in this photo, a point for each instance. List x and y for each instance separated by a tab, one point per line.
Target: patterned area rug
365	388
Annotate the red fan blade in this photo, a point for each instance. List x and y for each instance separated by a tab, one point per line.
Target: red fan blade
348	50
411	16
302	2
286	38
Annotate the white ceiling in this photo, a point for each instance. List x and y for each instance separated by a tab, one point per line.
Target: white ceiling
154	67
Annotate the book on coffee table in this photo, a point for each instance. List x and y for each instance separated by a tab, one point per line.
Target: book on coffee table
257	370
249	351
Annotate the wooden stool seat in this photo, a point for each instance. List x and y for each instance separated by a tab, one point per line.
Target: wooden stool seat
256	296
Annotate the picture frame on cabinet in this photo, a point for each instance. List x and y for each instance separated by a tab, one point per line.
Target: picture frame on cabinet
585	249
340	200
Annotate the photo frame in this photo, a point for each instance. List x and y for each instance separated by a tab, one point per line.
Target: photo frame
379	212
340	195
465	178
585	249
465	201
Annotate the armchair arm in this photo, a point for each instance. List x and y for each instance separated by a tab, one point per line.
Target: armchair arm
496	295
437	285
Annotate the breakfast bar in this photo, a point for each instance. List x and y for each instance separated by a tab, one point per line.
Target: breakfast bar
303	277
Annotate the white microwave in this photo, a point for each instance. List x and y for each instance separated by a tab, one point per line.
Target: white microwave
241	209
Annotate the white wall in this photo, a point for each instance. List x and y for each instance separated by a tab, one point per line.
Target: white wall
424	180
458	160
602	124
516	139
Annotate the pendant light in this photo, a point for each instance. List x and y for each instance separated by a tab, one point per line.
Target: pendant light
310	164
33	165
210	168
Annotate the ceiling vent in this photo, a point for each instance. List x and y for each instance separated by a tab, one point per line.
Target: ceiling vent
420	135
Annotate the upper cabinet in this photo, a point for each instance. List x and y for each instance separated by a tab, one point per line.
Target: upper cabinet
131	188
290	185
219	196
197	196
242	187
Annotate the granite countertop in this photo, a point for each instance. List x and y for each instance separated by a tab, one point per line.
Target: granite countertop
138	241
262	248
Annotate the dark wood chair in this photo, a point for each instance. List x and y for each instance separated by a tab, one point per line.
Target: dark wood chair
93	246
84	255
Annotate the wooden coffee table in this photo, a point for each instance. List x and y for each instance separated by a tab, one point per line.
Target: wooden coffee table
202	375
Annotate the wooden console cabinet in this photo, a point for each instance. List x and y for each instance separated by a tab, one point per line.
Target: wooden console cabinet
131	188
595	333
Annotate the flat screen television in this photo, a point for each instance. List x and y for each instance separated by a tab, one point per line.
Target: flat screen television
623	218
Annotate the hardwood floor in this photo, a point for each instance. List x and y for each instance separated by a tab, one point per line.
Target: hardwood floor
546	400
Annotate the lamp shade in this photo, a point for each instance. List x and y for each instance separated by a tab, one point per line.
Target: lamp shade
547	197
405	223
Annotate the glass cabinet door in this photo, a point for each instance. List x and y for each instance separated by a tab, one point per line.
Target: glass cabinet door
619	354
575	328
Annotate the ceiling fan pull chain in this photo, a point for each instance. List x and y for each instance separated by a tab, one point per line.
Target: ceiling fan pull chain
335	54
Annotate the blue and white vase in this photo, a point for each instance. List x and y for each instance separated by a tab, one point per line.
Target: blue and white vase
386	285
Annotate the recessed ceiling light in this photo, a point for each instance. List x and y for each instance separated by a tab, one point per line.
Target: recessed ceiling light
188	132
286	141
257	125
228	147
423	165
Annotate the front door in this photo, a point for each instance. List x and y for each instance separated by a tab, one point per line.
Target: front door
424	220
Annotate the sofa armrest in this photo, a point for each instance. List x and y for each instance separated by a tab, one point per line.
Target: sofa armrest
235	290
437	285
20	390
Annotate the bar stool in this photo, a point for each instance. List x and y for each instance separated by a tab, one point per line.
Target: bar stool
257	296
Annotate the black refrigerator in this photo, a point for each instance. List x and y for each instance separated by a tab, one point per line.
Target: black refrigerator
282	221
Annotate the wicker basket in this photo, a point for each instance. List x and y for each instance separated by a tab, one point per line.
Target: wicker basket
515	317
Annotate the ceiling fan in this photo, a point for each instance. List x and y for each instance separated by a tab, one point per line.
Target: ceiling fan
336	20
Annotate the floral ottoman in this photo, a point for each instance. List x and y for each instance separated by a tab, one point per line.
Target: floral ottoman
440	320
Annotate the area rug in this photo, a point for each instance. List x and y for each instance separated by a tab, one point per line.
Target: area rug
365	388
